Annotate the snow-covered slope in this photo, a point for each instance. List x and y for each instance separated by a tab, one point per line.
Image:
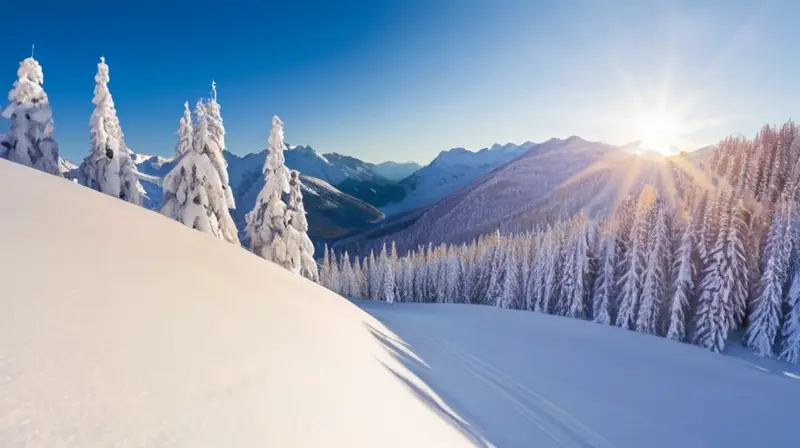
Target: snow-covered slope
451	171
119	327
397	171
521	379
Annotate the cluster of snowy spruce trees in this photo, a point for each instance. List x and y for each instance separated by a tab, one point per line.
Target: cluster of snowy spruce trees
724	256
196	192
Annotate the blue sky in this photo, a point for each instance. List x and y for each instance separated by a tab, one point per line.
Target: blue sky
403	80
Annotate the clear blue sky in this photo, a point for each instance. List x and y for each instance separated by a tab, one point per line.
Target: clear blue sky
404	79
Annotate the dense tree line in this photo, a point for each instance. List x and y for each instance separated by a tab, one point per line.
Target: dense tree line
723	256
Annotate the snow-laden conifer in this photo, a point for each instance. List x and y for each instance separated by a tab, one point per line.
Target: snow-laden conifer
633	277
387	284
348	279
790	346
301	249
30	138
765	317
683	290
655	276
108	167
605	285
508	296
216	143
325	268
359	285
454	293
193	192
267	223
496	273
374	277
583	237
737	264
712	319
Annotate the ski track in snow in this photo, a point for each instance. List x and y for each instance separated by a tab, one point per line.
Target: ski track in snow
559	425
755	366
792	375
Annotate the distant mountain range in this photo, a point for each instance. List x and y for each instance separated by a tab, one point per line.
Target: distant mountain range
331	213
552	180
343	194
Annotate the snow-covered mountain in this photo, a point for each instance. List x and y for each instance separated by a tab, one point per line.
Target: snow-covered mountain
147	333
451	171
552	181
490	200
332	168
397	171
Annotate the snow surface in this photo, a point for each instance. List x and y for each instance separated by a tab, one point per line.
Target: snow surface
523	379
182	340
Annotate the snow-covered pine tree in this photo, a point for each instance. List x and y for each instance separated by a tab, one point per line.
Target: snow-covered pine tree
420	276
325	268
185	132
508	296
655	276
768	145
439	266
790	347
633	278
359	283
684	284
453	276
374	277
267	223
216	143
496	273
302	249
193	191
387	286
736	255
544	303
525	245
747	173
533	289
108	167
580	268
30	139
712	318
605	284
765	317
348	279
336	274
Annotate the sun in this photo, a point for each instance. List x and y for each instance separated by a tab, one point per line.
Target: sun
659	132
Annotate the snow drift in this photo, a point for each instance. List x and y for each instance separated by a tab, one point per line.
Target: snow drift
119	327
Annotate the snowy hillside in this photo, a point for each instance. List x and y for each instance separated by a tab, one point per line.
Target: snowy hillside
522	379
450	171
146	333
397	171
